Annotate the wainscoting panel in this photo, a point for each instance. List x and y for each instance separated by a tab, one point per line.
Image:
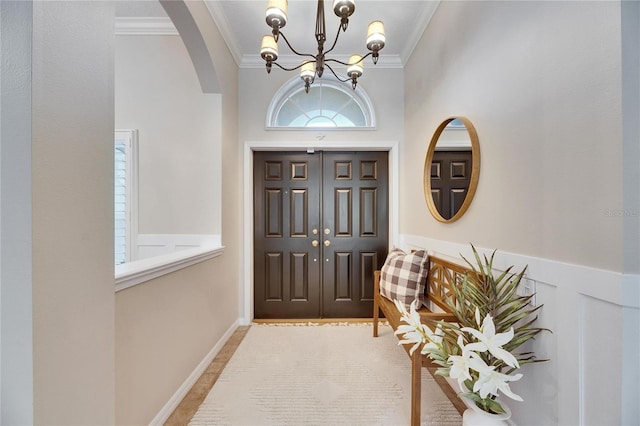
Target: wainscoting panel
592	374
600	374
540	379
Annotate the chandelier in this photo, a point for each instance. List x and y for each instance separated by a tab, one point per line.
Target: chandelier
314	66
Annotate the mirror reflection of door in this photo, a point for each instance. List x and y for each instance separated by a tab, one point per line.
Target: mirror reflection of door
450	178
451	169
320	230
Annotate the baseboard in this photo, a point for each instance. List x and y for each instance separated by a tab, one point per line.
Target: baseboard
244	321
182	391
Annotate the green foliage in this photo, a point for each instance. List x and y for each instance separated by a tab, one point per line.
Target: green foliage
493	293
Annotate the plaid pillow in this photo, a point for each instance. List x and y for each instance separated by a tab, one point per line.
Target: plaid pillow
403	276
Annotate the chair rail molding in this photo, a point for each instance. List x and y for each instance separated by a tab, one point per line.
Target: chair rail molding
592	313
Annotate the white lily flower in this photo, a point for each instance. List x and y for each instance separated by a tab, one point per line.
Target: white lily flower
477	316
414	332
411	337
460	364
412	317
401	308
488	340
490	381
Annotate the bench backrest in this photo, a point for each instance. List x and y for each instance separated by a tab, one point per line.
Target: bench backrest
443	275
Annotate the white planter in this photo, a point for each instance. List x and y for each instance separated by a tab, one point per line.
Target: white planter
474	416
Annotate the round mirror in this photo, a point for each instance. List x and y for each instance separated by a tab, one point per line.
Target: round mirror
451	169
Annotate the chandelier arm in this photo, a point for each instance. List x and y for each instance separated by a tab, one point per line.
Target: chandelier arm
336	75
334	42
287	69
346	63
294	50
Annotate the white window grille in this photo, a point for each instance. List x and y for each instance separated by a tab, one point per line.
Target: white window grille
329	104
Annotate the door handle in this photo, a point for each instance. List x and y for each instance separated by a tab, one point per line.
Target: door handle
327	243
314	243
327	231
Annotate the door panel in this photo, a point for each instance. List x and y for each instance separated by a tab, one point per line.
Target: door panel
286	208
358	223
326	209
450	178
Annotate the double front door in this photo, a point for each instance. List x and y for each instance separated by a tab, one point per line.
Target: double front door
321	229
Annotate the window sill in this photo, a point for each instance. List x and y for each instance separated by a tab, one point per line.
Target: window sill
134	273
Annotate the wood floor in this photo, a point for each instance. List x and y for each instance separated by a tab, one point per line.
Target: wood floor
190	404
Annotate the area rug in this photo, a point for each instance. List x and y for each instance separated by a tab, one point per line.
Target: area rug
320	375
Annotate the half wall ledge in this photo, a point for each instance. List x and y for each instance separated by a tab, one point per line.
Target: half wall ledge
134	273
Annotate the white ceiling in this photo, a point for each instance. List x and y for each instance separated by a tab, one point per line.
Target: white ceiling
139	9
242	23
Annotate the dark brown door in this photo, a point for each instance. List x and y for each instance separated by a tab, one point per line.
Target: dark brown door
321	229
355	213
286	209
450	177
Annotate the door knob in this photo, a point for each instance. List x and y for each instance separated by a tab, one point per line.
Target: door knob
314	231
327	231
314	243
327	243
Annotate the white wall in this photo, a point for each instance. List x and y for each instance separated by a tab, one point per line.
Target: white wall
546	104
16	319
164	329
631	201
541	82
72	193
167	327
157	92
385	89
383	86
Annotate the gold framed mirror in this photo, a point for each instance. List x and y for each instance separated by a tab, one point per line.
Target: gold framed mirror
452	169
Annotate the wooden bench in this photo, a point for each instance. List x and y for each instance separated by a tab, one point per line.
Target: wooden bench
442	275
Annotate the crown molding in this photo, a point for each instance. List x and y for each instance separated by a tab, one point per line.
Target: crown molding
221	21
145	26
290	61
418	30
164	26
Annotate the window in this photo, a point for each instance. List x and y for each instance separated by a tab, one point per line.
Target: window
125	173
329	104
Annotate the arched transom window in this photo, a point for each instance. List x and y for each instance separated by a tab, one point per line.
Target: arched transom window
329	104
